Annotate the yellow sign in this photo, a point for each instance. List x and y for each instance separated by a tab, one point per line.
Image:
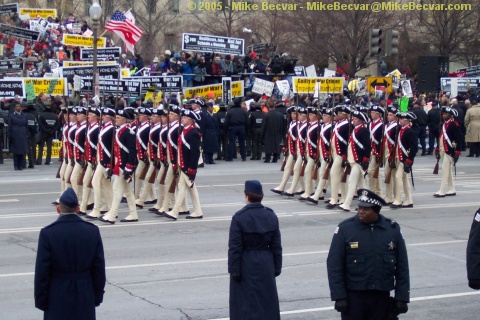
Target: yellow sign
373	82
125	73
87	63
56	149
56	87
43	13
237	90
327	85
82	41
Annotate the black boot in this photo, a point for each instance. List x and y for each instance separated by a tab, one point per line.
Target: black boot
267	158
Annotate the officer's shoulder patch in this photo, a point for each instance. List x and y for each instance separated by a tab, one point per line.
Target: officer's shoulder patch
336	230
477	217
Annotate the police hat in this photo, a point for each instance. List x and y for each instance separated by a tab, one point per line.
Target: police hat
367	198
360	115
451	111
144	111
127	113
108	112
378	109
94	110
192	115
342	108
406	115
175	109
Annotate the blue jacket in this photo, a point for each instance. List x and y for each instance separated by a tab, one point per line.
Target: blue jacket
254	252
17	133
70	269
368	257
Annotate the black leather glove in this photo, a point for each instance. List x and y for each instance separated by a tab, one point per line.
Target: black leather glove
127	175
344	163
341	305
236	277
474	284
401	307
304	158
406	168
364	166
277	273
437	155
455	159
377	160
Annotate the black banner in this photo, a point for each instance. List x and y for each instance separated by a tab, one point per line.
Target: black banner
473	71
19	32
8	65
126	87
226	89
263	47
9	8
206	43
300	71
463	84
86	54
10	88
105	72
162	83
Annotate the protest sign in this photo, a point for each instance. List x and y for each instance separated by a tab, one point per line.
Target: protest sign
82	41
208	43
327	85
261	86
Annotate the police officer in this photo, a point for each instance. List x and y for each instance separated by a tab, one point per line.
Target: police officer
32	129
256	118
47	124
222	132
473	254
236	121
368	259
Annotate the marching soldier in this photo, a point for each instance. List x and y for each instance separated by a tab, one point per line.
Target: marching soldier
124	165
142	133
358	157
376	137
324	154
391	130
101	181
407	147
300	146
79	151
197	105
153	141
90	158
162	161
64	115
172	154
187	162
70	146
340	137
450	136
290	152
311	152
368	259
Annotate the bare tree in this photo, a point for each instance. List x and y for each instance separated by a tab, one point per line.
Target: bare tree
452	32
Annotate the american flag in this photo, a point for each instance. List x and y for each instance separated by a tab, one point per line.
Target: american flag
125	29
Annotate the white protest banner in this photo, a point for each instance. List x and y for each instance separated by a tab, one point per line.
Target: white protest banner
284	87
77	80
362	88
316	90
18	49
263	87
454	87
53	63
406	89
248	102
311	71
327	73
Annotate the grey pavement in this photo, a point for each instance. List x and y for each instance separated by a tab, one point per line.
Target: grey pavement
160	269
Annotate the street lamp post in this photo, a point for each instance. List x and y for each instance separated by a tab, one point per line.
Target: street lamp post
95	14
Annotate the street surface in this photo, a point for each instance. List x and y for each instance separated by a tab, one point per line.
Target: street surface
161	269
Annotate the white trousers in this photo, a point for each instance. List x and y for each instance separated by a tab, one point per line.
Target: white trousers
401	182
102	191
355	180
447	174
121	187
183	185
336	173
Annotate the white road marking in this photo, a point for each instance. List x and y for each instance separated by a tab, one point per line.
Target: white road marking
441	296
176	263
9	200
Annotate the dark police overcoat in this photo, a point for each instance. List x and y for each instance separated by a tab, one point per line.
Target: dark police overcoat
70	269
18	133
210	133
473	249
255	252
272	129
